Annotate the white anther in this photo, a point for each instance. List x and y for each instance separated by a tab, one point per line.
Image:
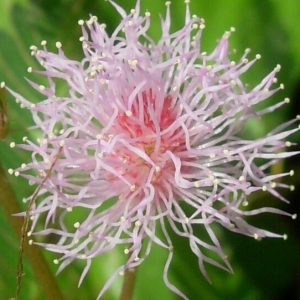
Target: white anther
58	45
29	70
138	223
273	185
132	62
94	18
80	22
128	113
100	67
12	145
292	173
76	225
196	184
69	209
62	143
226	152
294	216
264	188
55	261
10	171
288	144
216	181
226	35
277	69
33	48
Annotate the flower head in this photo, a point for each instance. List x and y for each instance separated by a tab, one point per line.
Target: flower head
144	128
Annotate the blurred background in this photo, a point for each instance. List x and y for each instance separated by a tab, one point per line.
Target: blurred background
269	269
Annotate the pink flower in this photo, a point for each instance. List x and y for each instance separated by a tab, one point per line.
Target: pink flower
144	129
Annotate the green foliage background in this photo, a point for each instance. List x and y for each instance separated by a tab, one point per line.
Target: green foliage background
269	269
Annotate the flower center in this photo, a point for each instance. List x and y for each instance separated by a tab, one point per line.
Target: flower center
144	117
150	131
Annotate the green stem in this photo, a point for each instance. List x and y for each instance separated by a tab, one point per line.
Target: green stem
128	284
33	253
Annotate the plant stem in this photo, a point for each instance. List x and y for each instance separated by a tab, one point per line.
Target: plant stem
33	253
128	284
